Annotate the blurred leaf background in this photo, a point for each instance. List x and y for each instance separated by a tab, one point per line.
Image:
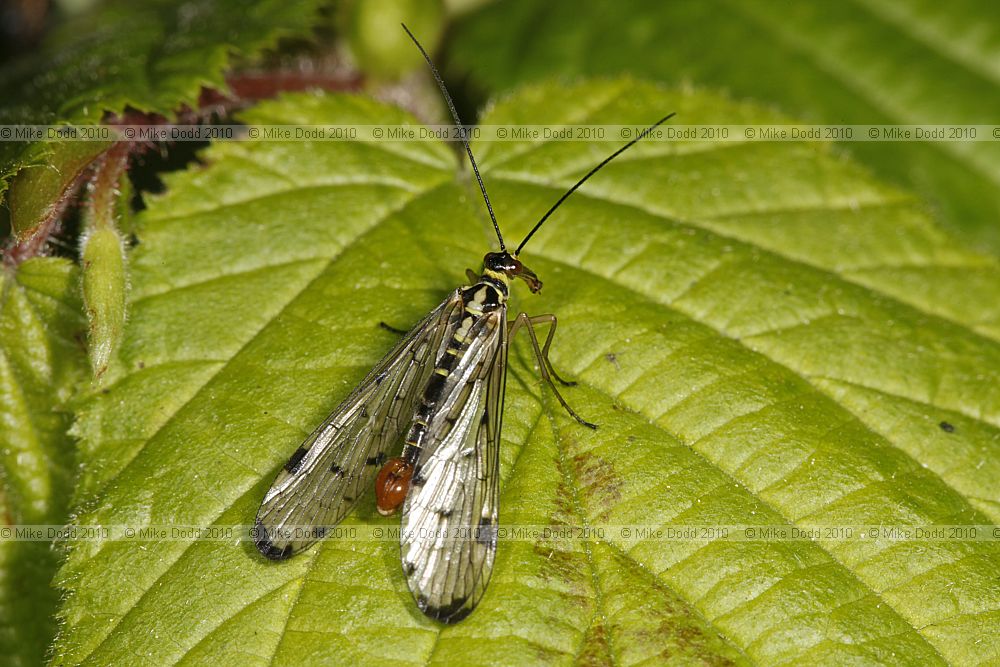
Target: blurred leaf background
861	61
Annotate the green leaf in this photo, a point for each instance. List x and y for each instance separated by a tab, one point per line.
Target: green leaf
905	62
765	334
150	56
40	362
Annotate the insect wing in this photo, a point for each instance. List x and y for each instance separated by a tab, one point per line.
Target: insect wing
448	537
324	477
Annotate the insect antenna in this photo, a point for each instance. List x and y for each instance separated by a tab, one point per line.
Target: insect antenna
590	173
461	129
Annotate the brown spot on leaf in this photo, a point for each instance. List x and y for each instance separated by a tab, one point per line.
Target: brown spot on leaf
688	641
600	484
545	655
561	562
596	649
668	623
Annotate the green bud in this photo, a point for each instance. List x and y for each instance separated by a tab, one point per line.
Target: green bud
380	45
104	287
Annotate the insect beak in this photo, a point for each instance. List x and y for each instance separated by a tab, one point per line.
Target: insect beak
528	276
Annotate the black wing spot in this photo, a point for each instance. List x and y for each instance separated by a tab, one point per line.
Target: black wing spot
409	567
947	427
418	479
376	460
449	613
348	499
337	470
443	513
266	547
486	532
295	463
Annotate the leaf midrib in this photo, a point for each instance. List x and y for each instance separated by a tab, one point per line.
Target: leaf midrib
548	410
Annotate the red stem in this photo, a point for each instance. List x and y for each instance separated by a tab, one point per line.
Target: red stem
103	173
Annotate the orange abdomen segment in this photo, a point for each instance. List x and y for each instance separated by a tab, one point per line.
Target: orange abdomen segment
391	485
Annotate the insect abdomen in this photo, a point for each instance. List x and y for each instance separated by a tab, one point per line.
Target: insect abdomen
432	394
392	485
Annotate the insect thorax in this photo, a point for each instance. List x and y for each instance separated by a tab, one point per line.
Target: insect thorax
485	296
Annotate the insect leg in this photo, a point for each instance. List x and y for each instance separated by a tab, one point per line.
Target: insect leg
472	276
392	329
550	319
522	320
